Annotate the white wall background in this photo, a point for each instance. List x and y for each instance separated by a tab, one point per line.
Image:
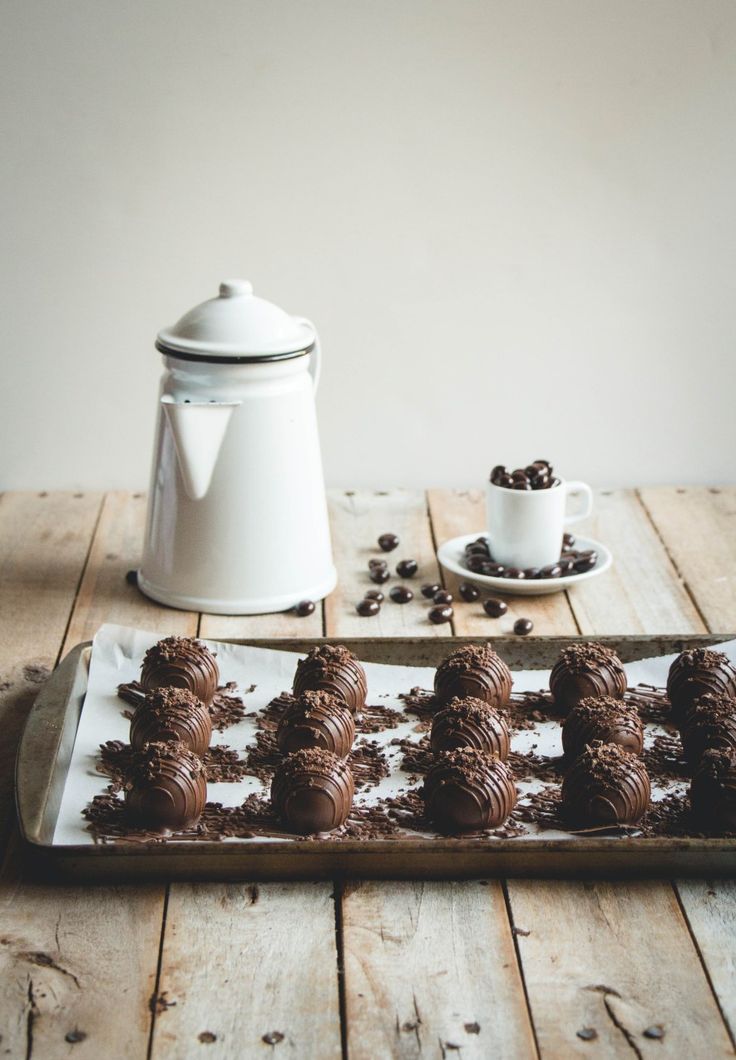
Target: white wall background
513	222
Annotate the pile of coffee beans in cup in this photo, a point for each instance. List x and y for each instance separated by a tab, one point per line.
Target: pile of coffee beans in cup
538	475
479	560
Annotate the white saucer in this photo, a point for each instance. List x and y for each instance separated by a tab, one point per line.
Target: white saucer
450	554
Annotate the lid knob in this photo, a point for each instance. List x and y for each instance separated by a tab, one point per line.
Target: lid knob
233	288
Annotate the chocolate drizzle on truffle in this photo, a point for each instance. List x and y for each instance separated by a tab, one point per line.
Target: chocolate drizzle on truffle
317	719
475	671
710	723
695	673
602	718
312	790
171	714
470	723
583	671
468	791
181	662
713	790
332	668
606	786
165	787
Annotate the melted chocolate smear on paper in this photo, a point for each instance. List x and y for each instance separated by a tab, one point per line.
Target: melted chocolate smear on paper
222	763
377	718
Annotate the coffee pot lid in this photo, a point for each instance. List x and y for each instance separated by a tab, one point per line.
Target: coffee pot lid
236	325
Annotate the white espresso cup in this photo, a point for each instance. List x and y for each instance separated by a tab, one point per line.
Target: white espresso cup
525	527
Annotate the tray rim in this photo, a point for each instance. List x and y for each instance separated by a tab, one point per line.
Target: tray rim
314	858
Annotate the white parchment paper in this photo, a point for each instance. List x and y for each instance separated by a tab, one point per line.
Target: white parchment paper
117	654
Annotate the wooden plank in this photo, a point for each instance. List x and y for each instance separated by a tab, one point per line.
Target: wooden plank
710	907
642	592
357	518
90	929
44	540
77	967
104	595
456	512
430	970
616	962
280	624
698	527
248	966
428	967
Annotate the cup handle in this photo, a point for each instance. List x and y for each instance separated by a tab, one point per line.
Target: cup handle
315	361
584	488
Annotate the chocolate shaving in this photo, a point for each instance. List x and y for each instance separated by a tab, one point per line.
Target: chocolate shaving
227	708
377	718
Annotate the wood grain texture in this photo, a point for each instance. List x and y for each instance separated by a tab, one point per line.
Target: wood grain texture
249	969
642	592
430	970
104	594
698	527
77	967
94	933
280	624
618	961
710	908
44	540
357	518
456	512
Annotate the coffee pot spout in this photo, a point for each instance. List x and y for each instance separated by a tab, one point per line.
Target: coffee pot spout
198	430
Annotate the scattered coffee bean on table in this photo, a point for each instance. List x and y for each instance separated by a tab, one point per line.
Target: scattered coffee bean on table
440	614
374	594
379	575
367	607
468	591
430	589
306	607
388	542
132	577
374	564
442	597
401	594
523	626
407	568
494	608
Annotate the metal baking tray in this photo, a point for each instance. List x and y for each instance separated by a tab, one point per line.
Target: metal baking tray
45	753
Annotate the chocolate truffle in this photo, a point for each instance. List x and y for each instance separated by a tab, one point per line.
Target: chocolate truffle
713	790
332	668
181	662
165	787
171	715
475	671
602	718
317	719
696	673
710	723
585	670
468	791
605	786
312	790
470	723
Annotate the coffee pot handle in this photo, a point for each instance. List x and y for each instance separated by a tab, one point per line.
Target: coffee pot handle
315	359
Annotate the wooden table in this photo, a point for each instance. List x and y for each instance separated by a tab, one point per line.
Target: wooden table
474	969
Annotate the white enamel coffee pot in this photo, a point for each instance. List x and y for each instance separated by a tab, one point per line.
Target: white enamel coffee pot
237	517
